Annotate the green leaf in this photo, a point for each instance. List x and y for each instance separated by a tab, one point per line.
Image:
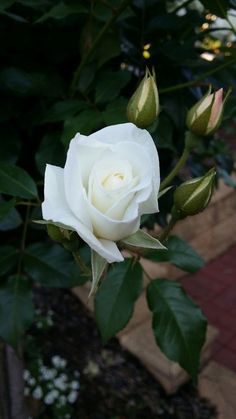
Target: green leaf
109	85
16	182
8	258
99	264
180	254
107	49
142	239
61	11
10	144
86	122
115	112
48	222
114	301
178	323
60	111
16	81
5	207
11	221
51	265
5	4
16	309
51	151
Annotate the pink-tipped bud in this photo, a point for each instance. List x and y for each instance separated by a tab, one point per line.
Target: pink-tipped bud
205	117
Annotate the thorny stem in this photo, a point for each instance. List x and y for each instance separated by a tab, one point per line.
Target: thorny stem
28	203
77	74
165	233
181	162
147	275
84	268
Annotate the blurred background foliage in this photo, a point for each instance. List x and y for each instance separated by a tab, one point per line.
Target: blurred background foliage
69	66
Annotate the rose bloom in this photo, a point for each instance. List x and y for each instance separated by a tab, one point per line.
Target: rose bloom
109	180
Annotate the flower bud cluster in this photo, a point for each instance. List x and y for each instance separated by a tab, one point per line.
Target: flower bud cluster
52	385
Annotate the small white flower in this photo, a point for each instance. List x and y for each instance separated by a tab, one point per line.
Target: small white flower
49	399
32	381
56	360
63	377
26	391
75	385
55	393
48	373
63	363
60	383
37	393
62	400
59	362
76	373
72	397
26	375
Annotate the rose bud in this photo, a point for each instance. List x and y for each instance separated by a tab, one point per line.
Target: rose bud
69	239
143	107
55	233
205	117
194	195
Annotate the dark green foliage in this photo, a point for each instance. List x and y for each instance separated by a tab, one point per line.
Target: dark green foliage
50	265
178	323
180	254
47	97
115	299
16	309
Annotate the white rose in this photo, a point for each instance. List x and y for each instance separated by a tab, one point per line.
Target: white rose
109	180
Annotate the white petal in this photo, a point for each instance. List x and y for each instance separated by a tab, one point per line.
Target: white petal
110	181
119	133
107	228
78	164
55	208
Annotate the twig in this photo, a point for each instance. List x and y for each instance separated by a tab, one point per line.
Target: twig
77	74
198	79
181	162
165	233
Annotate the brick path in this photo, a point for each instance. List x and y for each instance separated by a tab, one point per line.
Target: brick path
214	288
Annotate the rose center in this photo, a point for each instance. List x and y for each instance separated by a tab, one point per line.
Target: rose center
113	181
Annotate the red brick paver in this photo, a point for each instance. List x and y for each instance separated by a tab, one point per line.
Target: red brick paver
214	288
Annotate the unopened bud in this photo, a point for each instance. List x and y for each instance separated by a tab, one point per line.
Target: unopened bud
194	195
69	239
205	117
55	233
143	107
